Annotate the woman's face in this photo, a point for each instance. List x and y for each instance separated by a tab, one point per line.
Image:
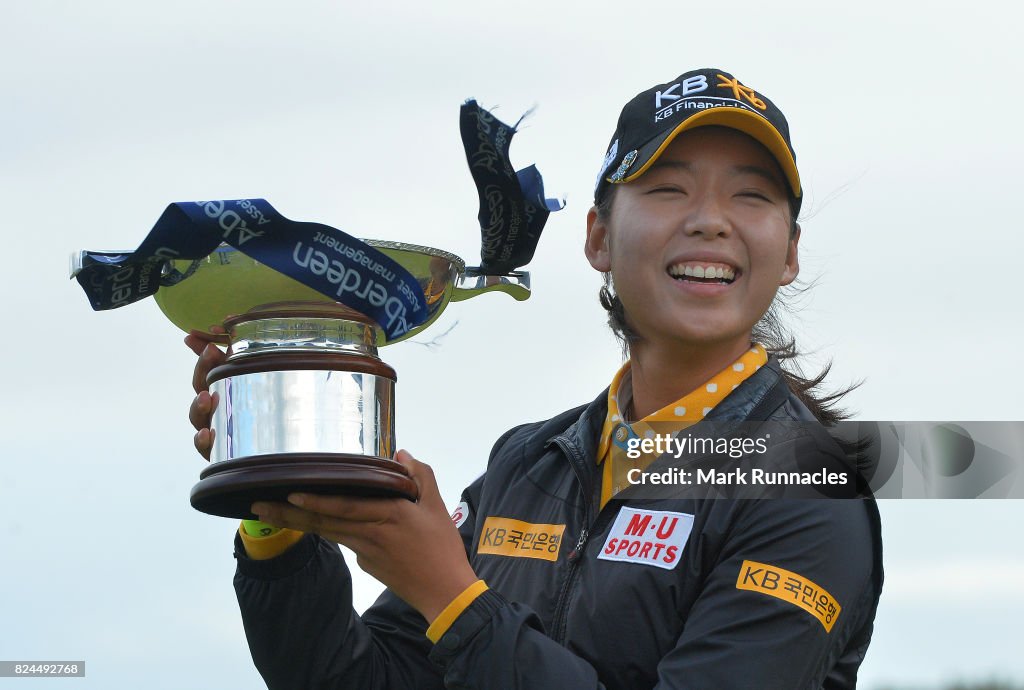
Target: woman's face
714	203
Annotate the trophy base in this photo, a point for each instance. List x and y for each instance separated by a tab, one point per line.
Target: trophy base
228	488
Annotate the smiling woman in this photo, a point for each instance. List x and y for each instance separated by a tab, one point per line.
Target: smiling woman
767	184
708	204
554	572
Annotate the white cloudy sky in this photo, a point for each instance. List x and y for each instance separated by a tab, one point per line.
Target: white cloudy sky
904	130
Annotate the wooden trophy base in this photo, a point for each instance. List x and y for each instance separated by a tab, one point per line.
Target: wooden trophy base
228	488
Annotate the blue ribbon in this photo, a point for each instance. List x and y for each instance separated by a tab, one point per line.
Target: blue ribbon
513	208
341	267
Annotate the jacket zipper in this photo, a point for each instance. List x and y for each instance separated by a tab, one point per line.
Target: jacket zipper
580	543
574	558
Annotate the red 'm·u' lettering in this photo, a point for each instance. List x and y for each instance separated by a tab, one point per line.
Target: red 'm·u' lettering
664	533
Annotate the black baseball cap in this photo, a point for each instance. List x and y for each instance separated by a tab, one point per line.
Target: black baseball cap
653	118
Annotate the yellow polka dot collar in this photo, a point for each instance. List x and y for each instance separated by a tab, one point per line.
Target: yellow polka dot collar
690	408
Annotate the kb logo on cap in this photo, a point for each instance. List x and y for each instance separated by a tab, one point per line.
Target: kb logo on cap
699	83
694	84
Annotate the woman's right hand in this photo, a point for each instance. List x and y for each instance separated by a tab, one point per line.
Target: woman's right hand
204	403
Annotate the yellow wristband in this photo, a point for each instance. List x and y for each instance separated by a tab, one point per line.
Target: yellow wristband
263	548
445	619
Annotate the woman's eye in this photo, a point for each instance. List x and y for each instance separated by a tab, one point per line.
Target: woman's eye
755	195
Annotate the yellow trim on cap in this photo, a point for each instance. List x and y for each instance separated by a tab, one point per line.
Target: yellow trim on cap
740	119
445	619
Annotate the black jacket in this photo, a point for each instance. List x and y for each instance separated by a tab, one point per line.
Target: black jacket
582	620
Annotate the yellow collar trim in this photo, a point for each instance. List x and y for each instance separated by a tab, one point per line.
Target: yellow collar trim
690	408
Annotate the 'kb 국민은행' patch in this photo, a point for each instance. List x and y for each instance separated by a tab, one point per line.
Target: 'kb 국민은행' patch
792	587
648	537
507	537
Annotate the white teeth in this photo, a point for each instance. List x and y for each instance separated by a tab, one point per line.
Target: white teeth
696	270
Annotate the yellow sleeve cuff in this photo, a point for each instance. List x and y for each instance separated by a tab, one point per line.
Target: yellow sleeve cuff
262	548
444	621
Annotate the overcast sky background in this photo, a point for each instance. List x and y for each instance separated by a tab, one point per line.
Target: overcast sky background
110	110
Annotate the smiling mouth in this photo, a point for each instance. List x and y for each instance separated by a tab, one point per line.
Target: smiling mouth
702	272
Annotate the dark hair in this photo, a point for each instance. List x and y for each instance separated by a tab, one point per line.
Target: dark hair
769	331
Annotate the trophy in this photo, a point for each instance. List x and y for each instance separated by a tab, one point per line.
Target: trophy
305	403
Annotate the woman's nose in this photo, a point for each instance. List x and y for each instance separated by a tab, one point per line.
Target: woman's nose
707	217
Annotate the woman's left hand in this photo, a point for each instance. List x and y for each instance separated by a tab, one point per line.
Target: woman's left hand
413	548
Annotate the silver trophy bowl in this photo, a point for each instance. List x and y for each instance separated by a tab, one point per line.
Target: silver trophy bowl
304	401
198	296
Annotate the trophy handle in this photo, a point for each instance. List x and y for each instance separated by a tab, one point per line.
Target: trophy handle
472	283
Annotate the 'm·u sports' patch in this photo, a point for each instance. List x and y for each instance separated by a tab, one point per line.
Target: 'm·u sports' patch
647	537
791	587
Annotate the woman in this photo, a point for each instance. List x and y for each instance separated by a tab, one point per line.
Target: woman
550	577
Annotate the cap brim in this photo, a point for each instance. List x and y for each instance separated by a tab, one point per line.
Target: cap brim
745	121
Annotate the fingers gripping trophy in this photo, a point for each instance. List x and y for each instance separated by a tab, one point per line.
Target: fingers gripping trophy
304	401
